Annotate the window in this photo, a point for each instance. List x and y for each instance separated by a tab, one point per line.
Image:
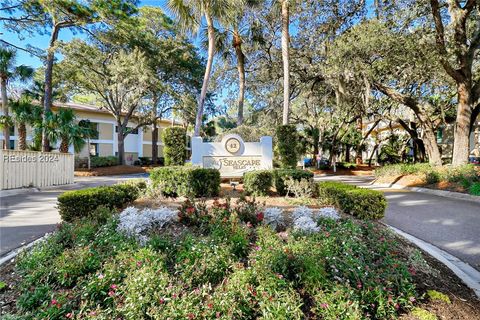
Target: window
12	130
440	135
94	149
94	127
12	144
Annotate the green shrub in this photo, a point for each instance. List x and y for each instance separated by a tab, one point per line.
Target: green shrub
403	169
186	181
475	189
174	142
281	175
365	203
97	162
362	203
257	183
82	203
287	140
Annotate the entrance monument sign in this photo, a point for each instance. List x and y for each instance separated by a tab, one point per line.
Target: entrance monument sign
232	156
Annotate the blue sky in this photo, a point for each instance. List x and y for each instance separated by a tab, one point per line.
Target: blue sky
41	41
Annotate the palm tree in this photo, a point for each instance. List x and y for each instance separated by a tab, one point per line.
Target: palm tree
9	72
191	13
24	113
239	31
286	59
68	131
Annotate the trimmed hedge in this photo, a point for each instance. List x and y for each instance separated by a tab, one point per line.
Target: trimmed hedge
287	140
78	204
186	181
362	203
175	142
280	175
257	183
97	162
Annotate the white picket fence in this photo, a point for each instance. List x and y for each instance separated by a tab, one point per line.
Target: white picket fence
19	169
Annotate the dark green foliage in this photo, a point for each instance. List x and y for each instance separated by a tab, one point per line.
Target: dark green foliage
281	175
186	181
97	162
475	189
174	142
362	203
257	183
83	203
287	140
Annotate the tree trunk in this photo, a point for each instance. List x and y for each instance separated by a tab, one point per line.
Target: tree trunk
286	60
237	43
208	70
431	146
461	146
48	84
347	153
64	145
22	136
154	143
358	149
121	145
6	128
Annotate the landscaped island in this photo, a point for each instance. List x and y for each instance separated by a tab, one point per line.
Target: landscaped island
226	256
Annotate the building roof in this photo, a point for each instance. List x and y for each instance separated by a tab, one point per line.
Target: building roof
92	108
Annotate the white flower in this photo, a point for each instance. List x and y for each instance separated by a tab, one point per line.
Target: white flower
302	212
273	217
137	223
305	223
327	212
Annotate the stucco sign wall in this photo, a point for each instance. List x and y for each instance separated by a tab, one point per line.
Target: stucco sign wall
232	156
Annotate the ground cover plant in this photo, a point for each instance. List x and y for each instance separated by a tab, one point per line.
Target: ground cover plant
228	260
462	178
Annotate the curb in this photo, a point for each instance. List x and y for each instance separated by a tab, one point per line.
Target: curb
440	193
15	252
469	275
20	191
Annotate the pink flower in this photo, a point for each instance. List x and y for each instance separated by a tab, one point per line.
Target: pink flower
191	316
92	313
412	299
139	263
54	302
190	210
249	225
69	315
218	314
210	306
101	276
397	306
113	286
359	285
162	301
111	293
412	271
324	305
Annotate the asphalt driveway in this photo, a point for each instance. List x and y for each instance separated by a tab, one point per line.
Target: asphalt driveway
25	217
450	224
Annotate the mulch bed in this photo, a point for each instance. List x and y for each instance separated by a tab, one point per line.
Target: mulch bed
110	171
464	303
360	170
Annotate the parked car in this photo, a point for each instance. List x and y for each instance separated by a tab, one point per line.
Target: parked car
475	160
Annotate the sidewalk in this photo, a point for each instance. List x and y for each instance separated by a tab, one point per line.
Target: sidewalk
453	225
28	214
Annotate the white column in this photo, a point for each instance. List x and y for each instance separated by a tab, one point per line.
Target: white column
267	152
140	142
